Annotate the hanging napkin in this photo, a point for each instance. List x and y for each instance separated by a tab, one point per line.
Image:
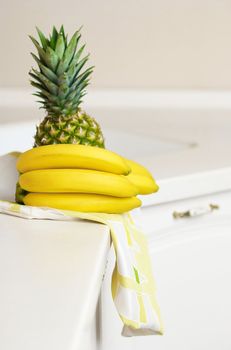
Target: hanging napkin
132	284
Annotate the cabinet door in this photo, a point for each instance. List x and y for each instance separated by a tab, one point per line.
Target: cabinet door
192	268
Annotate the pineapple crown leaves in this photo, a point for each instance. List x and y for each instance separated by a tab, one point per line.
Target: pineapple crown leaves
60	79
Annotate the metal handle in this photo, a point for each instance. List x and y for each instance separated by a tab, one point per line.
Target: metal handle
195	211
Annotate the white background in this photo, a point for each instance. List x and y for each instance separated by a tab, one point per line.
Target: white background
133	43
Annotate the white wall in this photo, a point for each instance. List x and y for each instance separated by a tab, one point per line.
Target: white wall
133	43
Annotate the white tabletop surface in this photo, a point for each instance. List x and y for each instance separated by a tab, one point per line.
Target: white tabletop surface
50	273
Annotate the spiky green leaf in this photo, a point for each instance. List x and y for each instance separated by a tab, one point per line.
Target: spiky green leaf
63	85
69	53
45	70
52	88
46	93
35	77
60	46
83	77
78	68
75	69
42	38
73	66
48	57
53	38
37	85
62	32
52	58
41	52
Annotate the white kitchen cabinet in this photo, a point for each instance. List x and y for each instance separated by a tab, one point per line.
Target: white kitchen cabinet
192	268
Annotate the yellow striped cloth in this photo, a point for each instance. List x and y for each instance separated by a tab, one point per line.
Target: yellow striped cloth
132	284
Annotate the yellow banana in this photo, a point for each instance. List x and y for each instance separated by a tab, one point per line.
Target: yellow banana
82	202
137	168
145	184
141	178
66	156
77	180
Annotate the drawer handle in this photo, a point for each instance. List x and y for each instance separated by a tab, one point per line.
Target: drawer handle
195	211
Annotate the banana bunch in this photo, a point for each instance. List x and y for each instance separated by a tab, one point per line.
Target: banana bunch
82	178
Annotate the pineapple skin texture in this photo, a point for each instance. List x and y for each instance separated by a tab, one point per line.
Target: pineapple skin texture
79	129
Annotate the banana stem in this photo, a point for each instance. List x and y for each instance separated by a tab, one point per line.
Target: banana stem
19	194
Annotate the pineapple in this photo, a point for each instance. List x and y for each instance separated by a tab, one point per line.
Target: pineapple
61	83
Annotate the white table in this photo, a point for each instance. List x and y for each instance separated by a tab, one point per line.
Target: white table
47	298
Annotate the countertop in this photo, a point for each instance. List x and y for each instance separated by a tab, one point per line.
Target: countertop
51	274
